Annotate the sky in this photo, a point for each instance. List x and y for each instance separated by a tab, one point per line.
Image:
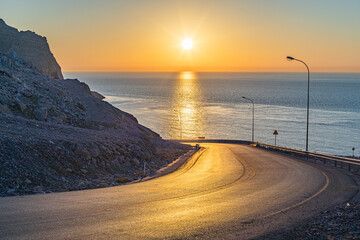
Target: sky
228	35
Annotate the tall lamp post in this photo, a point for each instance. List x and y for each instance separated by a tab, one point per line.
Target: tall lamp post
308	100
253	122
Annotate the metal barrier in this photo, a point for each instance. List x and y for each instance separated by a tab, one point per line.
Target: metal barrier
351	163
216	141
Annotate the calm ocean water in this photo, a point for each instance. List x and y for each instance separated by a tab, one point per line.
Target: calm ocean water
190	105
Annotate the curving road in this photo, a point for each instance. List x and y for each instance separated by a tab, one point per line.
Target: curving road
229	192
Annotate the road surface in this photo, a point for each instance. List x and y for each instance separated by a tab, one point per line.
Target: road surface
229	192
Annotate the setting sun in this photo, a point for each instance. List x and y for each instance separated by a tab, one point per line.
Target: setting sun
187	43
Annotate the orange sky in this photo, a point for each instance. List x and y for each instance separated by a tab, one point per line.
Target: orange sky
231	35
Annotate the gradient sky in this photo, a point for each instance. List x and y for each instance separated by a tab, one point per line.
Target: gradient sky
229	35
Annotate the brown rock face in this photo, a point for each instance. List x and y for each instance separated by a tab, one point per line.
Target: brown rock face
31	47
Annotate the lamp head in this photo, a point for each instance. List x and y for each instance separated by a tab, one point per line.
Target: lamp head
290	58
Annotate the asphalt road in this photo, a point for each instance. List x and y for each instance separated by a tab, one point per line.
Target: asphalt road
229	192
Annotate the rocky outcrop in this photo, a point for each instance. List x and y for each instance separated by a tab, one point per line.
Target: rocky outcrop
27	93
97	95
31	47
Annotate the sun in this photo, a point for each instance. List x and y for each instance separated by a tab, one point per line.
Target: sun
187	44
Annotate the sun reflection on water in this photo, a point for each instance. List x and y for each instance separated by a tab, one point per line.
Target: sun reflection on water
187	108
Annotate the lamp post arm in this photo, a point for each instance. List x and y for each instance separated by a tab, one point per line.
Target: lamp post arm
303	63
249	99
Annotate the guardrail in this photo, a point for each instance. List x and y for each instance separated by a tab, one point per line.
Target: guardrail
215	141
351	163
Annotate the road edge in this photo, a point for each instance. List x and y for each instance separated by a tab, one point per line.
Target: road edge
175	165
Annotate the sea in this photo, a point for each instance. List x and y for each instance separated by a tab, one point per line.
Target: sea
189	105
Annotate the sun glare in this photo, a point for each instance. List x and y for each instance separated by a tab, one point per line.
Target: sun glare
187	43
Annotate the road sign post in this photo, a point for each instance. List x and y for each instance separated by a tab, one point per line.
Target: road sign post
353	149
275	134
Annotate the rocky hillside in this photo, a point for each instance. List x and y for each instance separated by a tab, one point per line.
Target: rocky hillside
57	135
31	47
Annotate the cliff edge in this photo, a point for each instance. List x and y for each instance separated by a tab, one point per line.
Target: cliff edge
31	47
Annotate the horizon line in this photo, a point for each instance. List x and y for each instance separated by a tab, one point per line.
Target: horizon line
147	71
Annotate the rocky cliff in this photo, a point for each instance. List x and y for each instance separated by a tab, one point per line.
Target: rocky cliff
58	135
31	47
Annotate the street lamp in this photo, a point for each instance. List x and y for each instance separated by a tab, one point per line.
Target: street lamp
253	123
308	100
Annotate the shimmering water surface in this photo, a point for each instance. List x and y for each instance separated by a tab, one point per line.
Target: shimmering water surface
189	105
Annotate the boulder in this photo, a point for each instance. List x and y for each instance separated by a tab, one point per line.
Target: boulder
81	151
122	180
40	113
5	109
